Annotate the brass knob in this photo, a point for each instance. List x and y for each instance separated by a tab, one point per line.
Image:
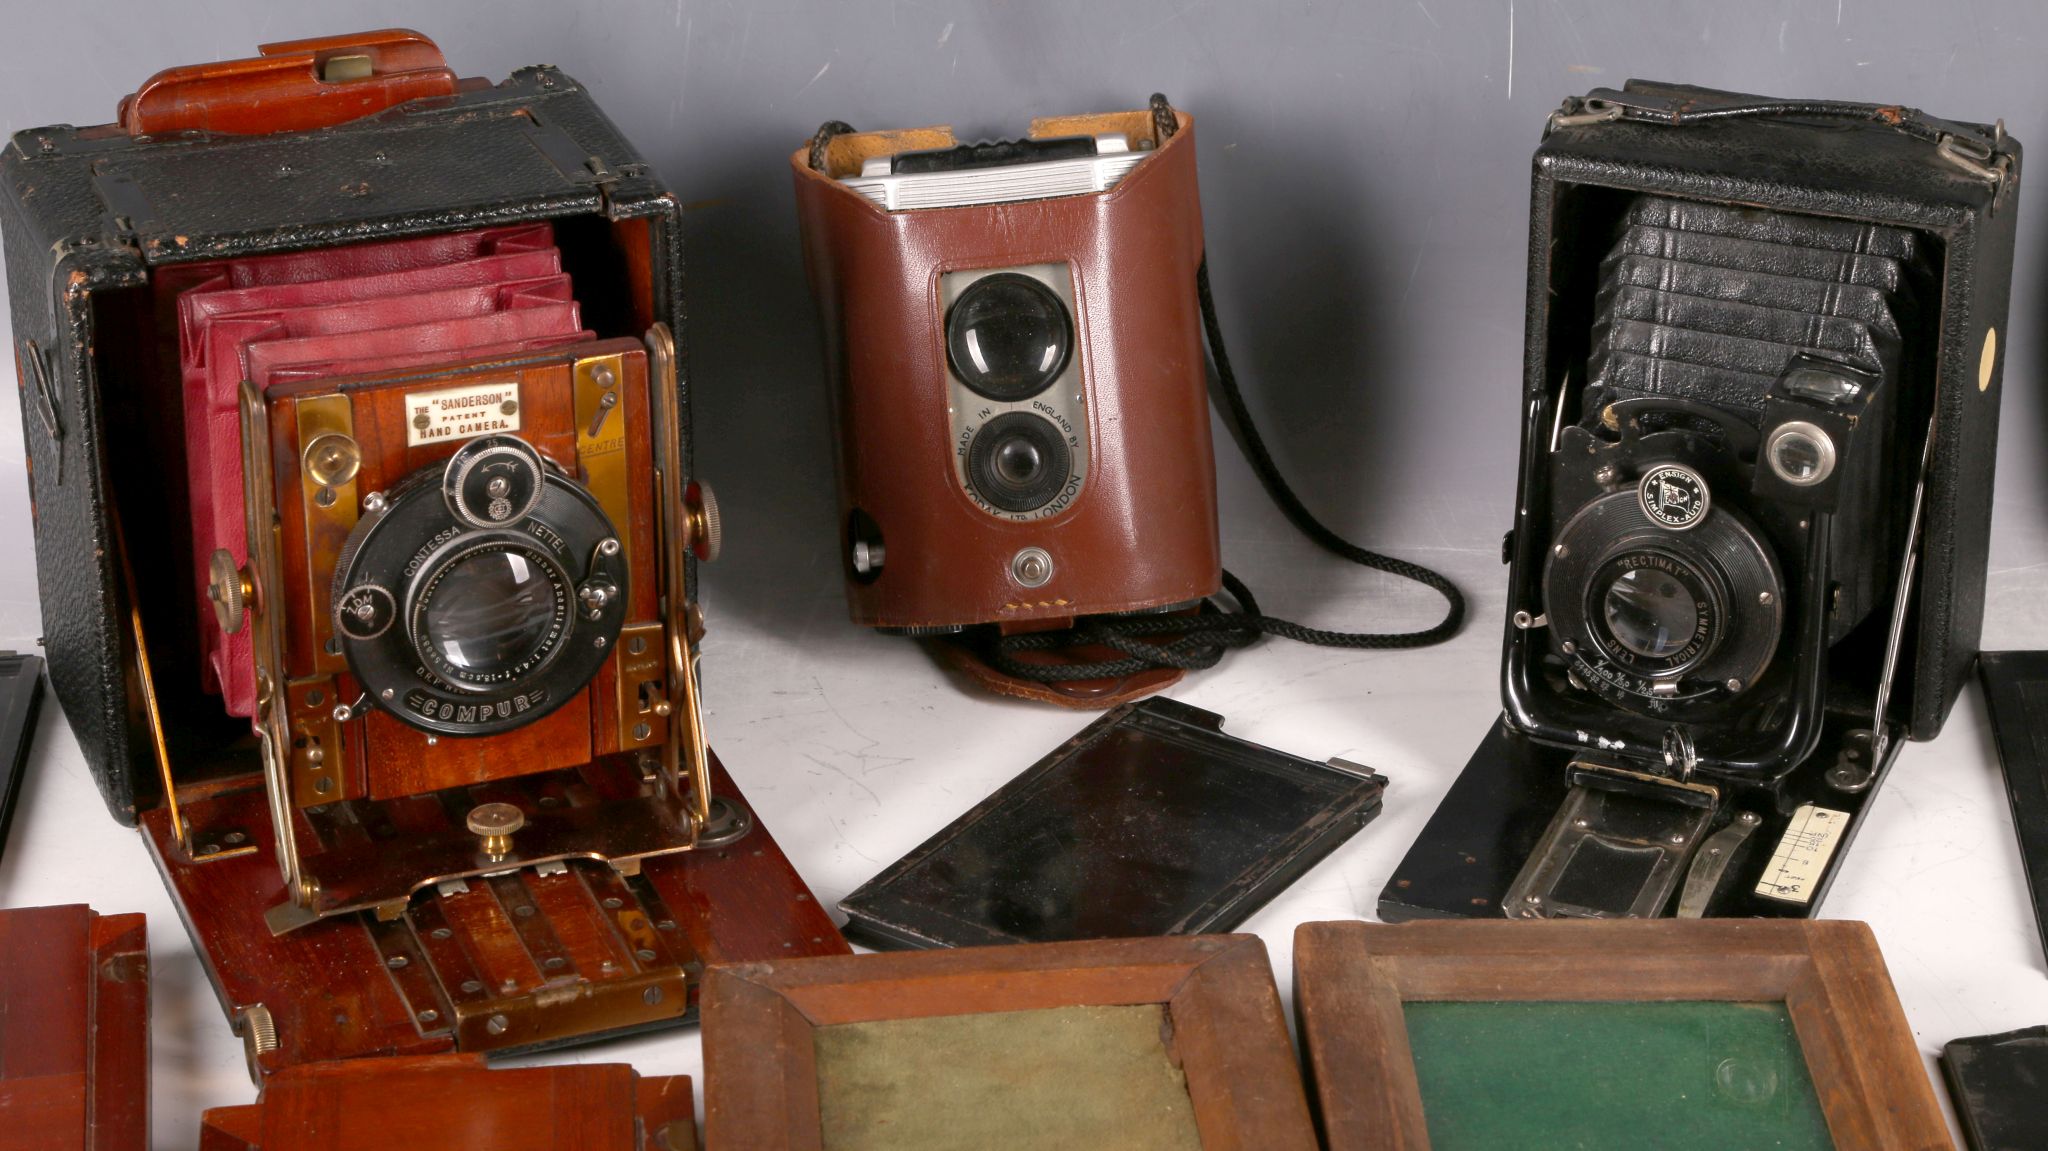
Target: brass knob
703	532
228	586
332	459
495	823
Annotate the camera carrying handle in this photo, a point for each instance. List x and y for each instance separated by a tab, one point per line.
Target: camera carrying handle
1977	150
294	86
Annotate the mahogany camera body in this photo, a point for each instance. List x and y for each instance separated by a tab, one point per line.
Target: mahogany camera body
422	743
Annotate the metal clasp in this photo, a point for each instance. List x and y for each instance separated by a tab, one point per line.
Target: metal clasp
1980	159
1578	113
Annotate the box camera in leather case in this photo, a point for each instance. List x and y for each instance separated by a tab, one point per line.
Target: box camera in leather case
1763	373
365	530
1017	380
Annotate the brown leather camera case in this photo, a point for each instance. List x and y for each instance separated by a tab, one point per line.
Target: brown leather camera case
1142	531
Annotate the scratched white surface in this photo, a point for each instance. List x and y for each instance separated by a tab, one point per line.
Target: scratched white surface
1364	171
853	748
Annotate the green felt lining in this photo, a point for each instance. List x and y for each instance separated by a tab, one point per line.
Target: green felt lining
1710	1076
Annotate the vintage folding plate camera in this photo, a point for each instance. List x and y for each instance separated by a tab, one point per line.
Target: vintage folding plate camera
1760	414
376	845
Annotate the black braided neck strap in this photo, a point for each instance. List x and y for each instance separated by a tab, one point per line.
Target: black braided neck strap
1194	642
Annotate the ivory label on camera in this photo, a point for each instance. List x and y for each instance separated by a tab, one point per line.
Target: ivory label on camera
1796	867
449	414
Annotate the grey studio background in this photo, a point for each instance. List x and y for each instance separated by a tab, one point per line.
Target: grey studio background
1364	181
1365	175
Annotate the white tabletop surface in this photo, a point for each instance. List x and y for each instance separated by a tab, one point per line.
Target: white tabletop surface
854	747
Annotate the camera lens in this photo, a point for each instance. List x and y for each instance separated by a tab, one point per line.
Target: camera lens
480	603
1018	461
1008	336
1650	613
491	614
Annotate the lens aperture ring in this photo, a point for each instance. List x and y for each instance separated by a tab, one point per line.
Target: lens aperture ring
1648	617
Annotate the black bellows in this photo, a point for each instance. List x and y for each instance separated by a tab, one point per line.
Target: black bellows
1710	303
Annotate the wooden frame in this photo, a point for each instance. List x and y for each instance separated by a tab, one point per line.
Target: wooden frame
74	1030
455	1101
1351	980
1228	1034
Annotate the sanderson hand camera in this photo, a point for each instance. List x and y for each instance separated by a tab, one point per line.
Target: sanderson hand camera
1748	558
364	528
461	580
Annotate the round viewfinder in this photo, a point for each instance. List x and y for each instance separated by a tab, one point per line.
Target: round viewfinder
1008	336
1800	453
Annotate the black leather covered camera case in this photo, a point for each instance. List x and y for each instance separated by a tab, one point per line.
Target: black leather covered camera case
1760	416
360	876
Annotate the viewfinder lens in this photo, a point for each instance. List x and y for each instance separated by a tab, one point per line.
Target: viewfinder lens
1008	336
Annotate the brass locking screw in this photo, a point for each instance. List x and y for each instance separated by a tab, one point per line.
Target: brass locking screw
229	587
496	823
703	531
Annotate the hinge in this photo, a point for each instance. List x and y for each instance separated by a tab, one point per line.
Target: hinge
44	397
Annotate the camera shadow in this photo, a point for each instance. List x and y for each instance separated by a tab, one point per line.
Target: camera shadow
759	414
1306	290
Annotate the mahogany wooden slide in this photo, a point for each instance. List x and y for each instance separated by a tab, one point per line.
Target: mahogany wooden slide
74	1030
454	1101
